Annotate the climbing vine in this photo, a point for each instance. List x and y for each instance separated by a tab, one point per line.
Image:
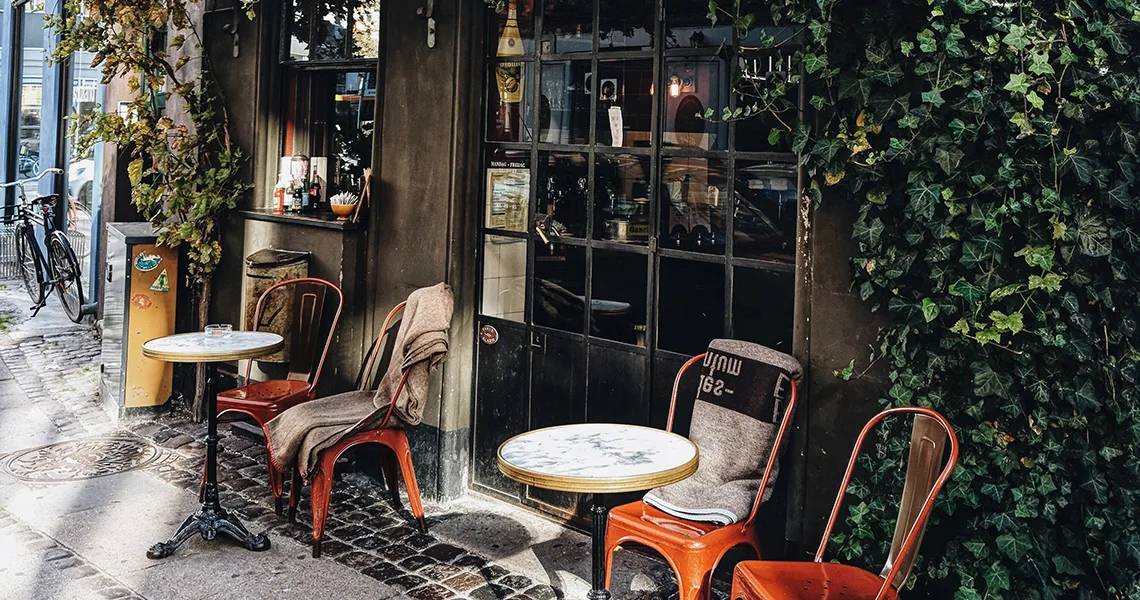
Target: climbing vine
183	166
992	150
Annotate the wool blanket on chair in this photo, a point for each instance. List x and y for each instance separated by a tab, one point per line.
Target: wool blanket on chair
298	435
743	391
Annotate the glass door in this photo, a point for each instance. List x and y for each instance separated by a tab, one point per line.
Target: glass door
625	223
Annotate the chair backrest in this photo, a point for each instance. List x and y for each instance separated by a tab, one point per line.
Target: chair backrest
369	369
773	457
308	304
925	477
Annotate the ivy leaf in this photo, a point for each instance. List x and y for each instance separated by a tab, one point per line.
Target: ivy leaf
1003	322
997	579
930	310
948	159
1093	237
1005	291
968	291
1051	282
1018	83
1017	38
1015	546
934	97
868	233
814	63
1066	566
988	382
1037	256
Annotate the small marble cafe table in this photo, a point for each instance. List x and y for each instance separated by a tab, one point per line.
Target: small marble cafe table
597	459
211	348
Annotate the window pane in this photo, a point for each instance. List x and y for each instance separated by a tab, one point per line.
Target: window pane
762	85
564	113
331	30
504	277
625	103
508	190
559	286
512	29
693	86
563	191
31	101
621	198
626	25
690	305
687	25
762	306
765	217
617	304
84	177
332	118
567	26
694	212
297	21
509	115
366	29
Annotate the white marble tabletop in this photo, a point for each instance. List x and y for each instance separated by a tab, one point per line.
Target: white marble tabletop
598	458
211	347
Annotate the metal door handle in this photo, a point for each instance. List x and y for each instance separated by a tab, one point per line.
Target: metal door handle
428	12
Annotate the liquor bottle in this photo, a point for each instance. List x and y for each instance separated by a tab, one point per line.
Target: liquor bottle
509	77
314	193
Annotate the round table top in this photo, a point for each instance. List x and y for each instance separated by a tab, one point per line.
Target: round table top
199	347
598	458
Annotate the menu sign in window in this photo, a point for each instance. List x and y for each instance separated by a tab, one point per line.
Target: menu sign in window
508	195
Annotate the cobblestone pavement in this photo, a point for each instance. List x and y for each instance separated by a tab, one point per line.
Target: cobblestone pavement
58	371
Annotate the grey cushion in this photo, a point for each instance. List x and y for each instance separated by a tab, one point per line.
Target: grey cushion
741	399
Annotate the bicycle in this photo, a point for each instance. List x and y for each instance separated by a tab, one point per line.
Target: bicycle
60	261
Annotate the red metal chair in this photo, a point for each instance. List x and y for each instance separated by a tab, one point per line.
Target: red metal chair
397	452
693	549
760	580
263	400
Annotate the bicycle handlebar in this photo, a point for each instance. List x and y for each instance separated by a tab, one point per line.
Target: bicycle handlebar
38	177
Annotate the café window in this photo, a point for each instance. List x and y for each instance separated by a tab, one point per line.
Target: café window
329	54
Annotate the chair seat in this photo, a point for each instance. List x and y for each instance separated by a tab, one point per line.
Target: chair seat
770	580
276	393
641	517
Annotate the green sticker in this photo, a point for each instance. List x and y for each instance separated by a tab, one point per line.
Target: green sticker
162	284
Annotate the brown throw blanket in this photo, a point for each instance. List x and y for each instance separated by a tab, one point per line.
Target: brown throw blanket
744	391
298	435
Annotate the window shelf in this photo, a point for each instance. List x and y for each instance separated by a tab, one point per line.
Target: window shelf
319	220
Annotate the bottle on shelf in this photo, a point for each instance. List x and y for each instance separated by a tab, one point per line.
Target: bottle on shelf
509	78
279	193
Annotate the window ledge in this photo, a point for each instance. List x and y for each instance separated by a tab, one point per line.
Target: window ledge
319	220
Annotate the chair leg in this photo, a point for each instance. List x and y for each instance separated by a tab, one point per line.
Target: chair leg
610	550
294	494
390	464
322	490
694	576
275	487
404	455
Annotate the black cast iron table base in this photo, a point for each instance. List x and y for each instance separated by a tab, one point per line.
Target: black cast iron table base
211	519
598	516
209	522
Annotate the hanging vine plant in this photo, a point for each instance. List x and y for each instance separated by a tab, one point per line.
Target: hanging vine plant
184	167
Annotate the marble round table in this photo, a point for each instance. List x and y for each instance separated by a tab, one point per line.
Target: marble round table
598	459
211	348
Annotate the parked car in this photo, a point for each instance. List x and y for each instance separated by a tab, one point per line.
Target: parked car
81	182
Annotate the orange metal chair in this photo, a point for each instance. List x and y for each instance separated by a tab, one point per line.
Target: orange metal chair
692	549
263	400
397	453
760	580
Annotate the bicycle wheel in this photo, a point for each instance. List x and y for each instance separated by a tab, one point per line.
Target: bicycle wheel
65	272
31	262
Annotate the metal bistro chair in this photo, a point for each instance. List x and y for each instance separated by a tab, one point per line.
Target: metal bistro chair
397	453
263	400
759	580
692	549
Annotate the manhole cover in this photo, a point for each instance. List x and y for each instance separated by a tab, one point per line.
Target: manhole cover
80	459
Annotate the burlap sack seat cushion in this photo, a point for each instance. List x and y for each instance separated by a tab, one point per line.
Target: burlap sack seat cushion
743	391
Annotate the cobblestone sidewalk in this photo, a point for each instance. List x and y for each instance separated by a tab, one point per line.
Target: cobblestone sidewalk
58	371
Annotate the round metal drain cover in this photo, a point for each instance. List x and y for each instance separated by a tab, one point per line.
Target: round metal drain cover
80	459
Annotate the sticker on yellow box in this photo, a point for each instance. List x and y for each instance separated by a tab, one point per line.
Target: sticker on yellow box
147	262
162	284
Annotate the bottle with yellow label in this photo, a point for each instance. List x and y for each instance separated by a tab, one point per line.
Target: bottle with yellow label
509	78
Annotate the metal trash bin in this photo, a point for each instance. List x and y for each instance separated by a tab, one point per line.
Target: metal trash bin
263	269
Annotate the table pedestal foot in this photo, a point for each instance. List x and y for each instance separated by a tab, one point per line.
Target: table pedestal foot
598	516
208	523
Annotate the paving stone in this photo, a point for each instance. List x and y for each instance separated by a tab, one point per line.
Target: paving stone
469	560
439	572
465	582
443	552
357	560
493	572
406	582
542	592
517	582
490	592
370	542
350	532
115	593
396	552
417	562
431	591
333	548
383	571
